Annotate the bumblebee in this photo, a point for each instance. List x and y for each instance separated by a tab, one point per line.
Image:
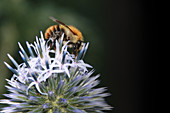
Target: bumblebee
71	34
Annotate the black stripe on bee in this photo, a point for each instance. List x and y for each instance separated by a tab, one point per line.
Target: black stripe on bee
51	32
58	28
55	30
62	30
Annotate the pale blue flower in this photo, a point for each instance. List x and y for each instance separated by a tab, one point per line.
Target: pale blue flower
53	81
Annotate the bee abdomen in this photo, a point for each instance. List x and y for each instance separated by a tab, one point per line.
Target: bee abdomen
53	32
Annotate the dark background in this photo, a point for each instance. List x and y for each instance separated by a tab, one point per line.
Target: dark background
121	39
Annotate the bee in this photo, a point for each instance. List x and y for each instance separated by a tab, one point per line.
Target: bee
71	34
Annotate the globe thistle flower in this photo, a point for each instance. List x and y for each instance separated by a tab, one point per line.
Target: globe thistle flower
53	81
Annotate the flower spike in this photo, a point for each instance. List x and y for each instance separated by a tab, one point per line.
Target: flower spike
13	61
23	51
29	49
10	68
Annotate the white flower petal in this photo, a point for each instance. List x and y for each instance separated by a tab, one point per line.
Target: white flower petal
30	85
38	88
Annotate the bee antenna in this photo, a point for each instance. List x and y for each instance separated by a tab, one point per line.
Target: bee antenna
55	20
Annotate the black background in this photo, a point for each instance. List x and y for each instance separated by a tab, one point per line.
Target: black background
131	55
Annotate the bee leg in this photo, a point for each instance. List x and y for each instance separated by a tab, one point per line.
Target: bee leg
51	45
76	52
54	47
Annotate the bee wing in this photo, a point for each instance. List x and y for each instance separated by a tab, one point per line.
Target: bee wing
55	20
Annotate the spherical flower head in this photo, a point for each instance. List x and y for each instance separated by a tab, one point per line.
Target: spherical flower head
53	80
